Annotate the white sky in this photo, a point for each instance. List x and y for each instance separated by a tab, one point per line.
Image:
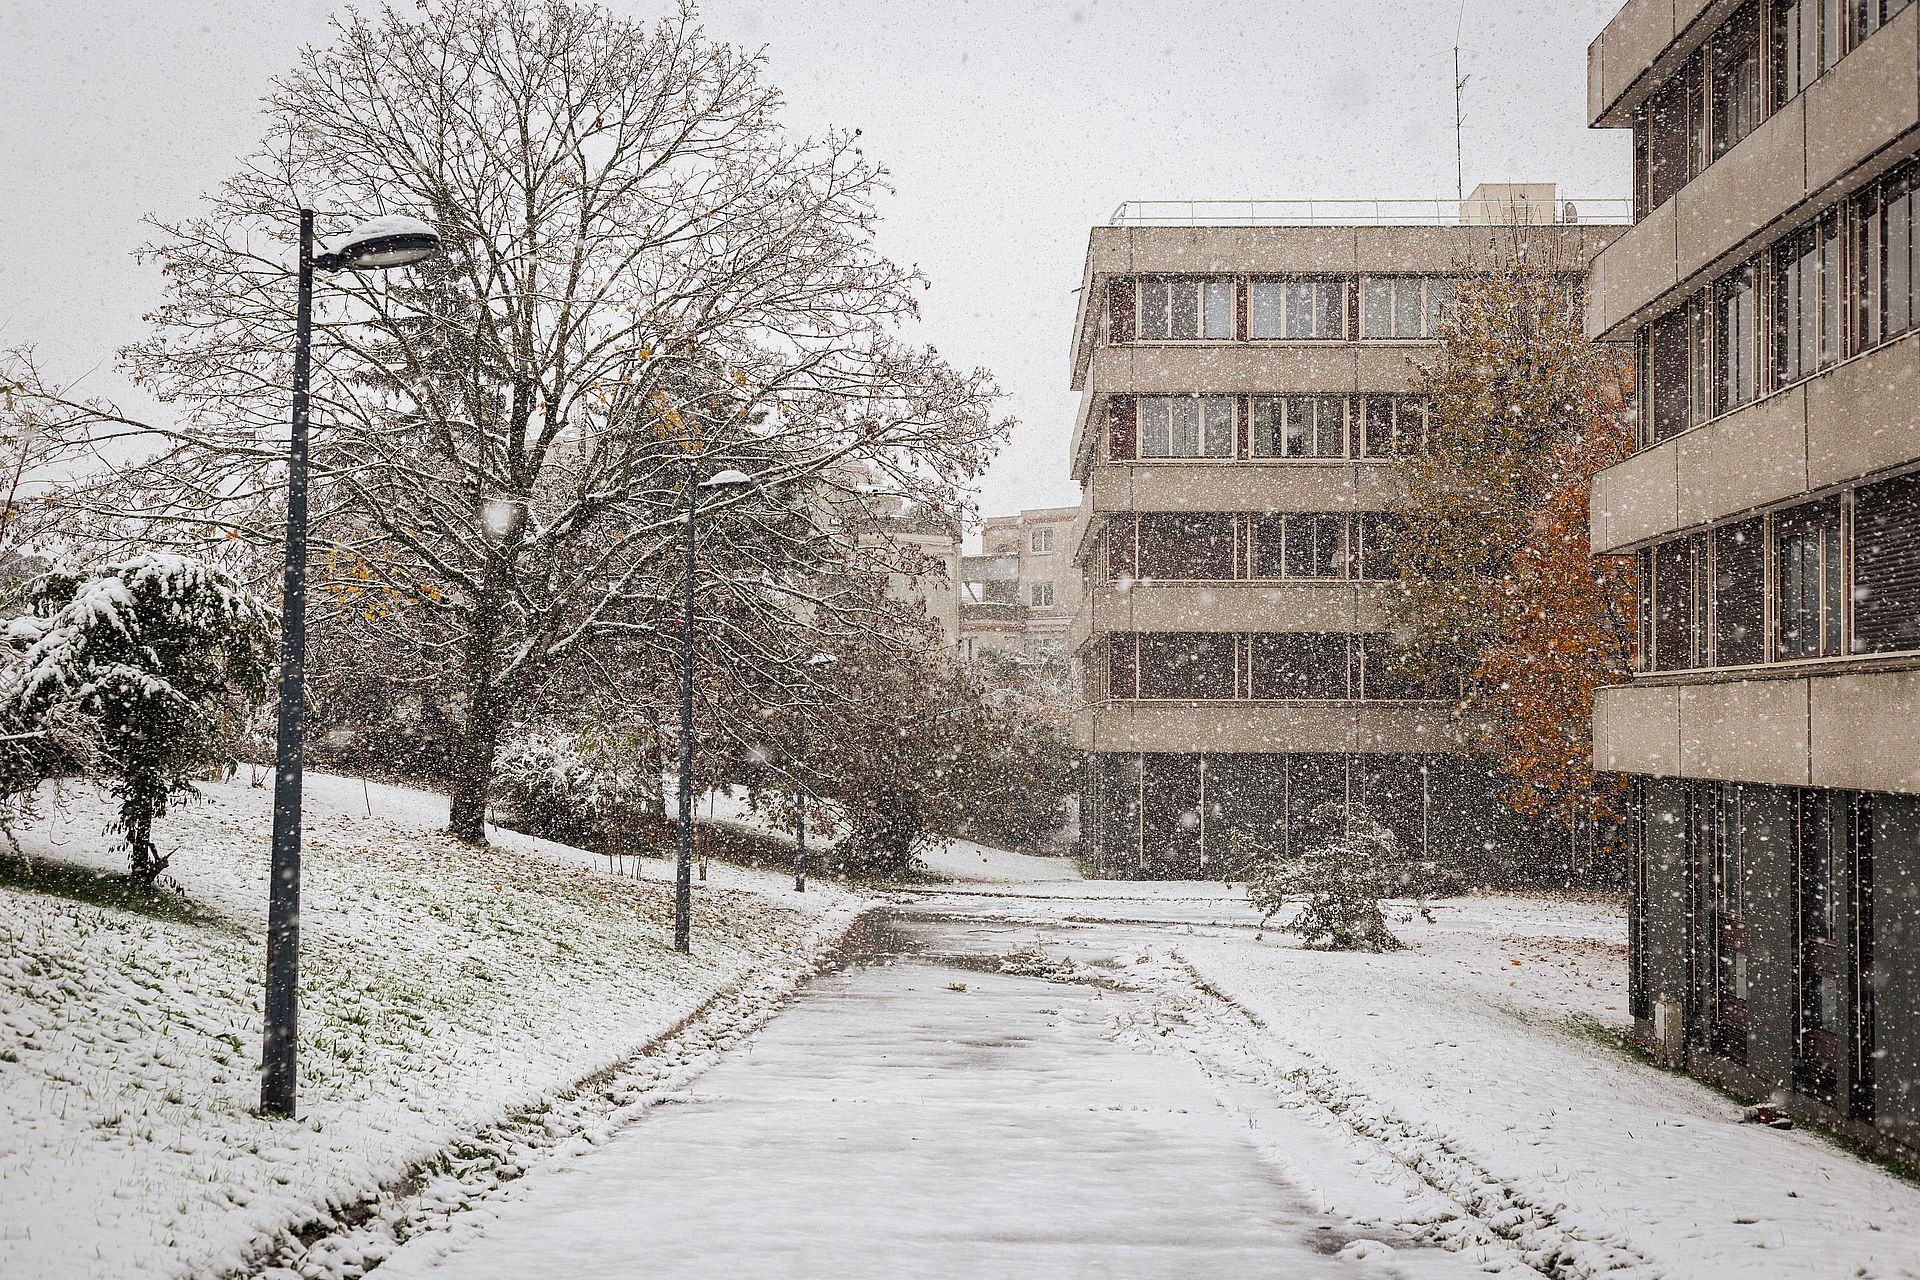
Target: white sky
1010	127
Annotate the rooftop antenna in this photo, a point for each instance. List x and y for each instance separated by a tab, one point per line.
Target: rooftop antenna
1459	117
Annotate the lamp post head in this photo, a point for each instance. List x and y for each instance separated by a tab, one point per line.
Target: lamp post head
726	479
379	244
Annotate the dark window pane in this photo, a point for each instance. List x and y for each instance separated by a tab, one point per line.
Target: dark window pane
1186	547
1181	665
1886	566
1184	316
1739	594
1300	665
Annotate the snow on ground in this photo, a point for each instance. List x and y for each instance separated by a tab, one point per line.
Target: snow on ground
953	859
1473	1057
442	989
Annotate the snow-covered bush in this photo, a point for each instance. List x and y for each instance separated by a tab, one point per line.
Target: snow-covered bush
163	654
1342	881
584	788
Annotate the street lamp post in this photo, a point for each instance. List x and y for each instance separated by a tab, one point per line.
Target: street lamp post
375	245
819	661
683	863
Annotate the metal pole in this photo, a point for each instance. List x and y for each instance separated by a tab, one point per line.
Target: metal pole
279	1048
800	827
683	865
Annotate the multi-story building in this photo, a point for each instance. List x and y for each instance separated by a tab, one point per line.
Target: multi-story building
1772	283
1020	593
1244	391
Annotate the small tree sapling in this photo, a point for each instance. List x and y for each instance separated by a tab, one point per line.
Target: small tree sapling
1342	880
160	651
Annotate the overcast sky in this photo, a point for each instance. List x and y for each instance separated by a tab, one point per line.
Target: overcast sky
1010	127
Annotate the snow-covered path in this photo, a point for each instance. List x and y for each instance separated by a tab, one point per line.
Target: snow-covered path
919	1114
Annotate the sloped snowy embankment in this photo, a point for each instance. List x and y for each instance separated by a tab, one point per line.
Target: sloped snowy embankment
442	989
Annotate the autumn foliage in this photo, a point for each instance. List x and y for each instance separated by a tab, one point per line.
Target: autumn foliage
1497	603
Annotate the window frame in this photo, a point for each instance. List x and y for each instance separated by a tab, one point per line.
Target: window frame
1329	297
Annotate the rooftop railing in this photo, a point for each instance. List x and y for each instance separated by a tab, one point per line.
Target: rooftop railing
1372	213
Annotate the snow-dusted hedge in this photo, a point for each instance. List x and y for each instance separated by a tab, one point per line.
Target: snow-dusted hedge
582	788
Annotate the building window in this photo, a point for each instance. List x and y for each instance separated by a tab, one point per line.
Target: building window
1300	546
1806	42
1392	426
1299	427
1403	306
1888	280
1736	78
1736	336
1726	879
1042	541
1043	595
1739	594
1183	309
1186	426
1825	835
1186	548
1812	575
1679	637
1886	566
1806	304
1699	124
1300	665
1312	308
1180	665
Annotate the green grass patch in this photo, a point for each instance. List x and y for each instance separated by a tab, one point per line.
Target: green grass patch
106	889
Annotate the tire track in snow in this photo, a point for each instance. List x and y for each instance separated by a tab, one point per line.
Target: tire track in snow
1235	1043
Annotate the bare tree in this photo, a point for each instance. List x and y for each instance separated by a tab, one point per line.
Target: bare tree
646	280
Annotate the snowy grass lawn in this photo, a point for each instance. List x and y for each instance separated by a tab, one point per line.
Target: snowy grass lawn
1488	1039
441	987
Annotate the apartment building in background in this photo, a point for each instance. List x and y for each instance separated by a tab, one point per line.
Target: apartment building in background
1771	282
1244	391
1019	594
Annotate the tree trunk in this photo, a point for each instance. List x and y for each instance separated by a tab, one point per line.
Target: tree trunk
144	863
487	705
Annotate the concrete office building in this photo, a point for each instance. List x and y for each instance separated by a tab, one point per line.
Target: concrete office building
1244	391
1772	283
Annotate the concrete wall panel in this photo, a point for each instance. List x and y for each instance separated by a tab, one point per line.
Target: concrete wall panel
1746	730
1744	460
1744	190
1636	499
1863	731
1864	415
1636	729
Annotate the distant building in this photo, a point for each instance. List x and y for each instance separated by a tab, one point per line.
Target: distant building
1019	595
1245	389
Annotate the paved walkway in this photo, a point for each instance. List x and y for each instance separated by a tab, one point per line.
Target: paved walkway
890	1124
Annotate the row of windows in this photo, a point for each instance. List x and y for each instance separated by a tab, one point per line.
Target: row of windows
1226	426
1226	547
1844	282
1759	59
1289	666
1304	308
1821	579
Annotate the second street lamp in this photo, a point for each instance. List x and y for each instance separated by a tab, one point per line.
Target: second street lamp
683	863
819	662
377	244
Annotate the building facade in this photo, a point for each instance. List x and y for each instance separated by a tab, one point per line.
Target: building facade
1771	281
1020	593
1245	390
